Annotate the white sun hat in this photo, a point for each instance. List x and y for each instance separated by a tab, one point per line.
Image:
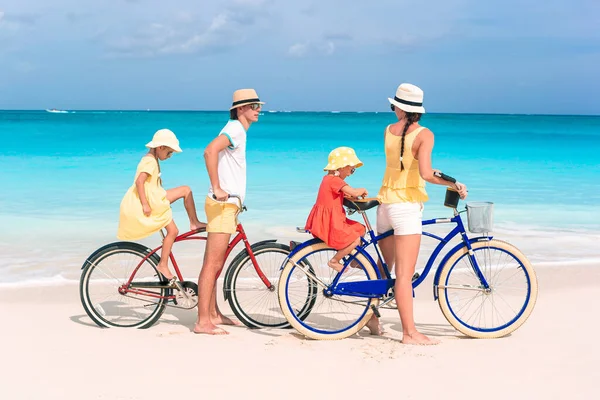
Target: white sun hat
409	98
165	137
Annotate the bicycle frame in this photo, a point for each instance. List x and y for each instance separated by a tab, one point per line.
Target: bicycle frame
382	285
138	288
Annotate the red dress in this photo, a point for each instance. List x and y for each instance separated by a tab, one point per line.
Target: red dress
327	220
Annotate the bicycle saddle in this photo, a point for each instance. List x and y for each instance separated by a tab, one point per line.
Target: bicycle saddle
361	205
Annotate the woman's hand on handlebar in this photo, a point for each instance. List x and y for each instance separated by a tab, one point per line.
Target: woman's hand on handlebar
461	189
219	194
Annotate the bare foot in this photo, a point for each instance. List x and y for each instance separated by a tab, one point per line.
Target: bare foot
164	270
375	327
209	329
418	339
197	225
223	320
335	265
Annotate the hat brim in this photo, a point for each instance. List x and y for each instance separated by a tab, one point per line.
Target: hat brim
407	108
243	104
329	167
153	145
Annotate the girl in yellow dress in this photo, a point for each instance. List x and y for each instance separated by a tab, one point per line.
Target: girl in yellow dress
146	207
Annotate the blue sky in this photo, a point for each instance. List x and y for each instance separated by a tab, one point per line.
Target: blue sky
509	56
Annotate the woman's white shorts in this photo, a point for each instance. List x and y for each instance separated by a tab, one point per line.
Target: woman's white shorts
404	218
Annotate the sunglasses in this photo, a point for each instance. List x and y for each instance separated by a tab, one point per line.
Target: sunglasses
255	106
392	107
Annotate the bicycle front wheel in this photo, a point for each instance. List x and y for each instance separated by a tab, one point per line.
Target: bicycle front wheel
254	303
104	294
494	312
329	316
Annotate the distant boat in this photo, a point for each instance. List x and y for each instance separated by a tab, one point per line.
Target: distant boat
54	110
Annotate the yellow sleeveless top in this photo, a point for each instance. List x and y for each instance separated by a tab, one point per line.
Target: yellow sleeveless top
401	186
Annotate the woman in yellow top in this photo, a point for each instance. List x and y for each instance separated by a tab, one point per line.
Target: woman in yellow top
146	207
408	149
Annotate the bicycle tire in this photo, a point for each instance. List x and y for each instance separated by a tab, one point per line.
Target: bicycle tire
116	309
316	325
451	286
255	305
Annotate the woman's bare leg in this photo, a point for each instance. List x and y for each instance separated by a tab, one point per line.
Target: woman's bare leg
163	265
387	251
185	193
407	251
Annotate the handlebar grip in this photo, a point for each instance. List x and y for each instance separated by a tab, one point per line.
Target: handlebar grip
444	177
215	197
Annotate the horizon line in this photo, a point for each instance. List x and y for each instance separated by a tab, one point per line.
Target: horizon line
294	111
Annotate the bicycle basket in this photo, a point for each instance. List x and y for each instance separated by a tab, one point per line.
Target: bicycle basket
480	216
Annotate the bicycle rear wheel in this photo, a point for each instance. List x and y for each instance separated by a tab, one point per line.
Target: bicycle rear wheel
494	312
329	317
254	303
102	287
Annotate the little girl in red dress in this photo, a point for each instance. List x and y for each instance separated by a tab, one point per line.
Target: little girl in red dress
327	220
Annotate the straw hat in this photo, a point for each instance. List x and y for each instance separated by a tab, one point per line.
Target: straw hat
244	96
409	98
164	137
342	157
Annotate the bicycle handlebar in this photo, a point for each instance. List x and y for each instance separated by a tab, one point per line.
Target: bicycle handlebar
242	207
444	177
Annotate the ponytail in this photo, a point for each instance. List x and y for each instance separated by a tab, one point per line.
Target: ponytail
409	119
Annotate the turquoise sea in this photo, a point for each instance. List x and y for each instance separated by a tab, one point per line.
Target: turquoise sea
63	177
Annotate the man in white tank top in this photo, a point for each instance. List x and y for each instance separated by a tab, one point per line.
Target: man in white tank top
225	159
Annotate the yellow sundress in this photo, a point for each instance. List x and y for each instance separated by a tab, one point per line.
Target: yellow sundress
133	224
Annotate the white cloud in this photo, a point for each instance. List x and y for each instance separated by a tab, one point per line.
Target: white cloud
324	48
187	33
298	50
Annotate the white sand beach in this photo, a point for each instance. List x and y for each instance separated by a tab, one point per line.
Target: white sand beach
53	351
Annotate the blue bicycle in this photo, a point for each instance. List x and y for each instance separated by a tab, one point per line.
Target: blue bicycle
486	288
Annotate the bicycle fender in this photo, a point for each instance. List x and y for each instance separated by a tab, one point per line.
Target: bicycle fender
371	261
132	245
242	254
456	248
298	248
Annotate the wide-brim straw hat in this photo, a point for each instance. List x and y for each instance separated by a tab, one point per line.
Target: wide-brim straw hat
165	137
342	157
242	97
409	98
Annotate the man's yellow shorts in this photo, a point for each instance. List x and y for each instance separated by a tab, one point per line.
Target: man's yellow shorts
221	217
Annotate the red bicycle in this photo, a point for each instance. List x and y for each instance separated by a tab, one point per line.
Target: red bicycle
121	287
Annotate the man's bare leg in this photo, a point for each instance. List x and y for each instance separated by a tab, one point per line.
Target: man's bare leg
216	316
214	259
407	251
